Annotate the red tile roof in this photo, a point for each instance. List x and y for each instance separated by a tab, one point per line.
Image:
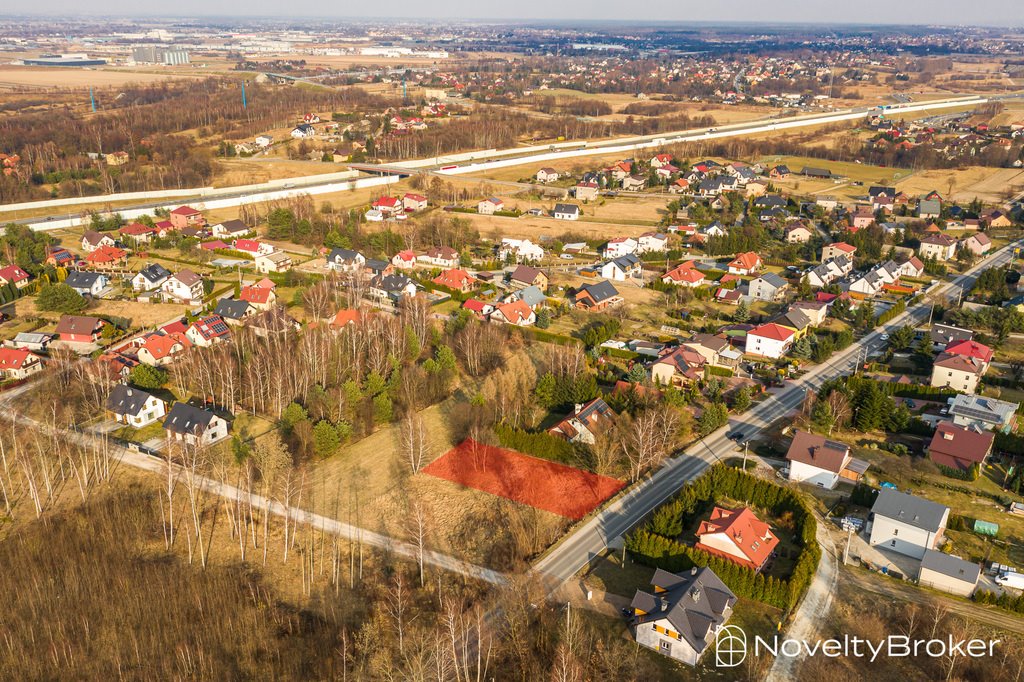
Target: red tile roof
185	210
13	358
772	331
255	294
12	273
745	261
345	317
752	537
971	349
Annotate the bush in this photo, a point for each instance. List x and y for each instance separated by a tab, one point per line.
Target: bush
147	377
60	298
540	444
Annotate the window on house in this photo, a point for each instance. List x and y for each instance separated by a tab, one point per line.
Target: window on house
895	531
665	646
892	544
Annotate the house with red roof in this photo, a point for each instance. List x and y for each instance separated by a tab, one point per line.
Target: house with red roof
404	260
253	247
959	448
481	308
516	312
388	205
259	297
59	257
684	274
815	460
746	263
18	363
972	349
207	331
977	244
186	216
12	274
490	206
214	245
139	232
345	317
160	348
737	535
836	249
456	278
769	340
959	372
106	256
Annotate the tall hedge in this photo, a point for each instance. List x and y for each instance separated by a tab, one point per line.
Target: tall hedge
655	544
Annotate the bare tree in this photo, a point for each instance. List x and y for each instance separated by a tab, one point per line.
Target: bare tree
413	438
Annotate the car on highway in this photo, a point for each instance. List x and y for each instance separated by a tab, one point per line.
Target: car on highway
736	436
885	337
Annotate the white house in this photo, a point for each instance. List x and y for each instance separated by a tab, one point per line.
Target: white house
275	261
134	407
303	130
547	175
622	268
87	283
769	340
230	229
768	287
620	246
194	426
520	250
150	277
651	242
900	522
440	256
941	247
817	461
948	573
490	206
345	260
566	212
683	616
93	240
185	286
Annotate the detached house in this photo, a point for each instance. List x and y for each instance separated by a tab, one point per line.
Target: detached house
900	522
207	331
769	340
622	268
231	229
815	460
150	277
547	175
93	240
977	244
134	407
737	535
678	367
527	276
345	260
566	212
12	274
941	247
682	618
490	206
596	296
159	349
836	249
79	328
440	256
649	242
414	202
959	448
186	216
798	234
516	313
620	246
404	260
185	286
87	283
983	414
194	426
18	363
585	422
768	287
260	295
456	279
684	274
745	264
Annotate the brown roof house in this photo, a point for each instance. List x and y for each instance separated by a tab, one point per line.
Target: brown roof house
818	461
959	448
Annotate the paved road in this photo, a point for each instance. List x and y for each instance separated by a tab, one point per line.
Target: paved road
516	156
590	540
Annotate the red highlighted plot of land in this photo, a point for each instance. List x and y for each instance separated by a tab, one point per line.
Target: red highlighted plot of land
539	483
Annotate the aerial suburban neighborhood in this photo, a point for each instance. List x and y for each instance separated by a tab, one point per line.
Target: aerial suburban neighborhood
469	350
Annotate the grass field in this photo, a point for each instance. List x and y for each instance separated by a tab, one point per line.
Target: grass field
64	78
141	315
368	483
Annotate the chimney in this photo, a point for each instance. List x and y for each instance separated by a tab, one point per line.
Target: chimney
693	571
947	435
577	408
129	393
695	593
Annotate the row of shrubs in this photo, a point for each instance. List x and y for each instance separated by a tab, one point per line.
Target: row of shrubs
655	543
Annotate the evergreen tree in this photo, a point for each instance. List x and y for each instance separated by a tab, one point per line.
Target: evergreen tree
742	313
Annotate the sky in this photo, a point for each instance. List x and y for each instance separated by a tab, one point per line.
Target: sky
931	12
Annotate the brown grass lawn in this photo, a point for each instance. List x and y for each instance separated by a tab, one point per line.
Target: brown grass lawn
987	184
62	78
141	314
369	484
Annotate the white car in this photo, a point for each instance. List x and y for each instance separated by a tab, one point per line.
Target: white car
885	337
566	256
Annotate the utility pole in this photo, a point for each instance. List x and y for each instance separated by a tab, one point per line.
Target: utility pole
846	552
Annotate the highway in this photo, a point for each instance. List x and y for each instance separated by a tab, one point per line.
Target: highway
469	162
588	541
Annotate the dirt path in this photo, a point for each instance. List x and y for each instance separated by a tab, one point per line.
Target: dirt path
814	608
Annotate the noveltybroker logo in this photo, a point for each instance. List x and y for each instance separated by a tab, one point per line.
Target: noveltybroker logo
730	646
